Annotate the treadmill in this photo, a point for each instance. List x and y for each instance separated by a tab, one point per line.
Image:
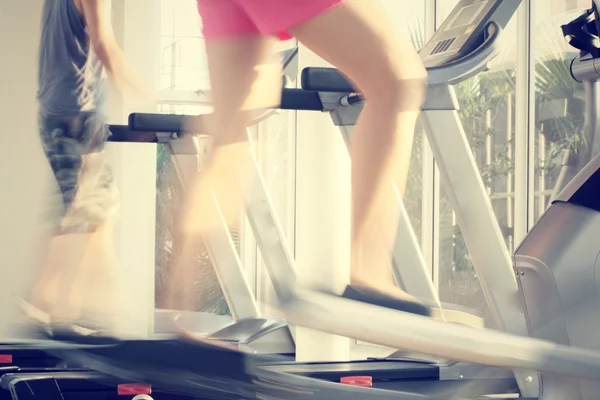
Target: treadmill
492	362
28	372
30	384
21	356
461	48
249	330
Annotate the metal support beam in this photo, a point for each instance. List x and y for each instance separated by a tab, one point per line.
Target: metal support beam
475	216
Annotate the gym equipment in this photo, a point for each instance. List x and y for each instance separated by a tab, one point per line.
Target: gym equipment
557	263
29	384
469	39
26	357
462	47
556	268
29	371
459	49
560	305
582	33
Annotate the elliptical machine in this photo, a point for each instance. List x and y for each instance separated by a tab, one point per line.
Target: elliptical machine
582	33
558	263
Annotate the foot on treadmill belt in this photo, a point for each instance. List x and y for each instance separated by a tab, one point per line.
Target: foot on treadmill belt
368	295
184	365
40	325
65	332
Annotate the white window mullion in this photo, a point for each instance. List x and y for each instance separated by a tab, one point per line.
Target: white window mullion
525	129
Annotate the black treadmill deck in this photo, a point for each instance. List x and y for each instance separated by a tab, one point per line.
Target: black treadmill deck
72	385
379	370
414	376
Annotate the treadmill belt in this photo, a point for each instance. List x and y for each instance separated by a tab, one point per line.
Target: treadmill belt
378	369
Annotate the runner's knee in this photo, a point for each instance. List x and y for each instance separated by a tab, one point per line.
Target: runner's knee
396	88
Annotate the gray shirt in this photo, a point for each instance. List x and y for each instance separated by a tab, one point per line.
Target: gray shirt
70	77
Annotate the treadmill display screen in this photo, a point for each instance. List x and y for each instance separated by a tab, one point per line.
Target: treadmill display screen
466	16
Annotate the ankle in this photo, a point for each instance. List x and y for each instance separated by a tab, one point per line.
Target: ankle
382	285
63	315
364	280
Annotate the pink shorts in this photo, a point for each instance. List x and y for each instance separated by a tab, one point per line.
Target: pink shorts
226	18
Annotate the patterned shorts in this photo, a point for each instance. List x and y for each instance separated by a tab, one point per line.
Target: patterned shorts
87	195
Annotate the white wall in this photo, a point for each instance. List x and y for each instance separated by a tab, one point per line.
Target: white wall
22	166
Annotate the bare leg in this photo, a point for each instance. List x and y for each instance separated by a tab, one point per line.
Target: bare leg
97	288
79	279
79	265
245	77
54	284
358	37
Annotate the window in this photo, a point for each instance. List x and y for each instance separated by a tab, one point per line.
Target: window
183	60
487	113
489	104
202	285
560	106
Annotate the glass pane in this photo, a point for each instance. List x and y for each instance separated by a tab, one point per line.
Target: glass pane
445	7
182	58
560	102
487	113
409	17
275	149
203	284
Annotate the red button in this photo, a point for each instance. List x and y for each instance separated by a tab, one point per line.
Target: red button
133	389
365	381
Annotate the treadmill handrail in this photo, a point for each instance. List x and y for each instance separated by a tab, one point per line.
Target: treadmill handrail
291	99
463	68
424	335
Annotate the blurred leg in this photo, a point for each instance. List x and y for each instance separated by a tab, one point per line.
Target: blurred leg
245	78
358	37
79	257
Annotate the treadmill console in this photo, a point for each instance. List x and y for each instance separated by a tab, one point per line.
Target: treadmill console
465	28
